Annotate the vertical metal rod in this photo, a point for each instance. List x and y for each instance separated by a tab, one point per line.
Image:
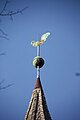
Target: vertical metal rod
38	72
38	69
38	50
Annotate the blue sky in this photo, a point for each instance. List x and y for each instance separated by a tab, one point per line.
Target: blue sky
61	53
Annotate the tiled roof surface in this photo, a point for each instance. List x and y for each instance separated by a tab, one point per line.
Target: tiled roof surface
37	109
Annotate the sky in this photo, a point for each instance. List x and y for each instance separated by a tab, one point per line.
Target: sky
61	53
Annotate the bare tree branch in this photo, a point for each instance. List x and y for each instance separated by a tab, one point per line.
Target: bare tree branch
4	37
4	87
4	7
2	32
3	53
3	13
9	85
10	13
77	74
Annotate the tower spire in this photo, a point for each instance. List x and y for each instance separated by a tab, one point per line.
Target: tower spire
37	109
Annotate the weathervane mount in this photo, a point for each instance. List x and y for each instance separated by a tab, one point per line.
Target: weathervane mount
38	61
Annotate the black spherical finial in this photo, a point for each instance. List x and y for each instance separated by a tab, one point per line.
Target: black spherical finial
38	62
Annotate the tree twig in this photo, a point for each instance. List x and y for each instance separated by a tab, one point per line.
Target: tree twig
3	53
4	7
9	85
4	37
2	32
11	13
4	87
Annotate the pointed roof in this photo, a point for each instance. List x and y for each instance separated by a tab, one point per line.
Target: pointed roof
37	109
38	83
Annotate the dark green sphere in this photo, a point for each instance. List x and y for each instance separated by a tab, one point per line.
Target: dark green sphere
38	61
